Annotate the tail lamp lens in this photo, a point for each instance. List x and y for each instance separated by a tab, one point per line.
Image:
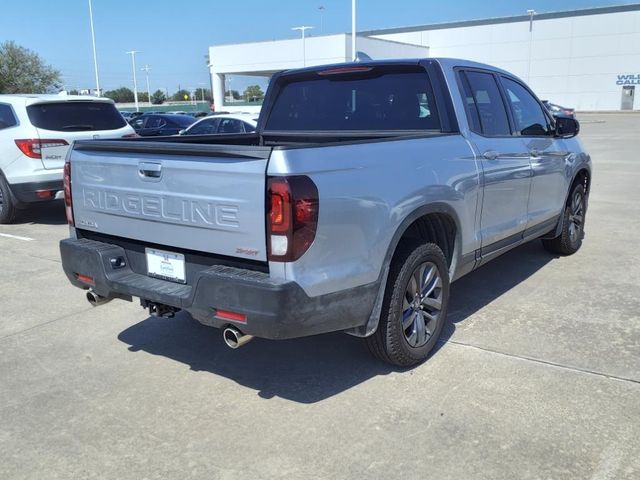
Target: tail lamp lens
32	147
292	217
68	203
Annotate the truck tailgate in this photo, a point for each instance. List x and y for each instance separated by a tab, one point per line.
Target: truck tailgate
207	198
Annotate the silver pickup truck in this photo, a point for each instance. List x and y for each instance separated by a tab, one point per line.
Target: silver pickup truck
366	189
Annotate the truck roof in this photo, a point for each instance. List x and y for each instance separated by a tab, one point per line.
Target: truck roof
445	62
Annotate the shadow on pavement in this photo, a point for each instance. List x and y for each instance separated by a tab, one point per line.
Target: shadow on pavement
46	213
311	369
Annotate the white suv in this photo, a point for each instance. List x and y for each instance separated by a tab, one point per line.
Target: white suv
35	133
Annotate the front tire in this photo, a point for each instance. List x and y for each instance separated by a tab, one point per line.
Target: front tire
8	210
570	239
414	307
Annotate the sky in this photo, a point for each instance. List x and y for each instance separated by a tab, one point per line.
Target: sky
173	36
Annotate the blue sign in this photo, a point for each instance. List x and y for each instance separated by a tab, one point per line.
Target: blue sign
628	79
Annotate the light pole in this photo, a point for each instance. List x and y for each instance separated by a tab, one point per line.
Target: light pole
353	30
531	13
321	9
146	69
303	29
135	82
95	56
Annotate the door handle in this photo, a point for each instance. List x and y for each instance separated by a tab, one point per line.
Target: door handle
490	155
149	170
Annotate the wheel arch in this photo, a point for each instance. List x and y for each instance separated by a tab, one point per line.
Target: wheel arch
444	229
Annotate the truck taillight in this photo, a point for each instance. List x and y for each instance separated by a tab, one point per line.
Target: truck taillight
68	203
292	217
32	147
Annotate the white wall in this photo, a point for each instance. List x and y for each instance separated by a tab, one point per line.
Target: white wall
261	57
574	60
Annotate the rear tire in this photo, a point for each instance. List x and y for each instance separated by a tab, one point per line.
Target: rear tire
8	210
570	239
414	307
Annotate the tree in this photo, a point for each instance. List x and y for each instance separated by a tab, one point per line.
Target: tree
158	97
207	94
23	71
73	92
253	93
143	97
120	95
235	94
179	95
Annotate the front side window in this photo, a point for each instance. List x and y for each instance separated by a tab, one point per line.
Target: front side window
485	109
230	125
7	119
528	116
205	127
374	99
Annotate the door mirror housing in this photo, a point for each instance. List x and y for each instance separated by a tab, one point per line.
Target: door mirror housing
567	127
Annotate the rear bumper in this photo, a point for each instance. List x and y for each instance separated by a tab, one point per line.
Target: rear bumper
29	192
274	309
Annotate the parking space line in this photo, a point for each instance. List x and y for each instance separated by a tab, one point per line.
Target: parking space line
16	237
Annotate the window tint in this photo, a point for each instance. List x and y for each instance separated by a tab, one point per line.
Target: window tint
528	115
230	125
7	119
205	127
248	127
373	100
490	117
75	116
154	122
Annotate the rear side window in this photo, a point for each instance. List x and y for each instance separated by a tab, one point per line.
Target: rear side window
75	116
485	109
528	115
7	118
376	99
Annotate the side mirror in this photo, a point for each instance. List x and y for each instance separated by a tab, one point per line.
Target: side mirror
567	127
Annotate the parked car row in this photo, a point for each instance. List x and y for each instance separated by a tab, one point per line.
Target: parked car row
558	110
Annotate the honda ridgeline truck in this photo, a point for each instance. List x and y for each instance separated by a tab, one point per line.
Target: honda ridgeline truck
365	191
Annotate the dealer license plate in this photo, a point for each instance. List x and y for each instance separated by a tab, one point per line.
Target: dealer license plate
165	265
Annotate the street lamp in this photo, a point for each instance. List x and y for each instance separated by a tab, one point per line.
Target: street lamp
146	69
95	56
531	13
303	29
353	30
321	8
135	83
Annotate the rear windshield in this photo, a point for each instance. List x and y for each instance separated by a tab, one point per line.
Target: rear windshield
375	99
75	116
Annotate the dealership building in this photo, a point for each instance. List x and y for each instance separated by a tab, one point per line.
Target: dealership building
587	59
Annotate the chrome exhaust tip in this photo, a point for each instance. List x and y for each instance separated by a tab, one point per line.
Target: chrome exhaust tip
234	338
94	299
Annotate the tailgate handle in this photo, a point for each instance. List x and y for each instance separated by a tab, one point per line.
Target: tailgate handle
150	171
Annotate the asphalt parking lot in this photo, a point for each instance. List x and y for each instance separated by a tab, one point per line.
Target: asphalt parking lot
537	376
